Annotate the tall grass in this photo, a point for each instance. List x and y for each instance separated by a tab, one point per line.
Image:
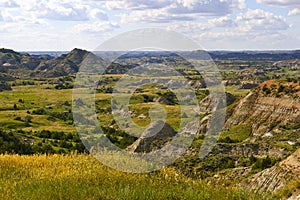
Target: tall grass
83	177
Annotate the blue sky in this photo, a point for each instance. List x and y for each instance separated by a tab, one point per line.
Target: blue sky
27	25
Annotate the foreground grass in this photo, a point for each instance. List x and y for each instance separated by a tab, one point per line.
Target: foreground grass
83	177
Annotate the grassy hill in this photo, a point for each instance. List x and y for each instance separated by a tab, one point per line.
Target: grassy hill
83	177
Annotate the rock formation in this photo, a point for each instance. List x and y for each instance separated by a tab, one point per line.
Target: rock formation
153	138
265	112
276	177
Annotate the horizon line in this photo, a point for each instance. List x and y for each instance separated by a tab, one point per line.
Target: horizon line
210	50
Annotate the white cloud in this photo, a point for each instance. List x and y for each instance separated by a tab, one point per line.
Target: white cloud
64	10
260	20
257	26
20	20
204	20
96	27
207	7
21	28
295	11
238	4
294	5
286	3
193	27
149	16
256	21
98	14
162	11
212	7
57	11
189	27
224	21
137	4
176	10
8	4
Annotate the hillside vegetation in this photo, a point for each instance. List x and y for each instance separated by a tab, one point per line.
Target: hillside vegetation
43	157
83	177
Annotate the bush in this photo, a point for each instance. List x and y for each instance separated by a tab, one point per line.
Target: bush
280	89
40	111
18	118
11	144
235	134
263	163
266	90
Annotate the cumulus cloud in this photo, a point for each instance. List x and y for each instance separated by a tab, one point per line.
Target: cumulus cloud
294	5
8	4
172	10
254	20
224	21
96	27
189	27
149	16
98	14
251	25
204	7
200	27
137	4
206	19
295	11
23	27
179	6
20	20
64	10
176	10
69	12
42	12
287	3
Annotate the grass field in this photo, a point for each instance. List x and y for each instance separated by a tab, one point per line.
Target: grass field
83	177
31	98
24	100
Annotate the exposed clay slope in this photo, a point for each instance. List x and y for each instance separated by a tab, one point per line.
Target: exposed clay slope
277	176
267	107
292	64
153	138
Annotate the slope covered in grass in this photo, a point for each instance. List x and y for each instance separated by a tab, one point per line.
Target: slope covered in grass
83	177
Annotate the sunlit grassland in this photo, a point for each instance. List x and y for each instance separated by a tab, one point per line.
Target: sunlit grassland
38	96
39	122
236	91
172	114
34	96
83	177
28	99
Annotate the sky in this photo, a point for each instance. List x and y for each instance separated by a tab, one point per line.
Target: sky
61	25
